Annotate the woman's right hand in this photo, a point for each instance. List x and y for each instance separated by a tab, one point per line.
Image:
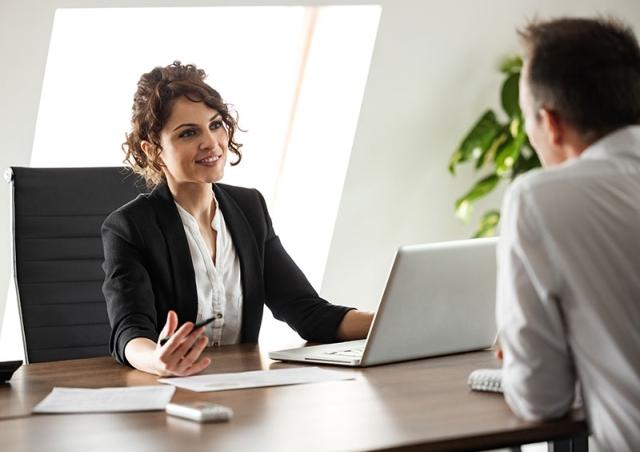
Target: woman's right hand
179	356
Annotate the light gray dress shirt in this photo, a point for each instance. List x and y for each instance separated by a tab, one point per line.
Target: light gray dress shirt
568	302
218	286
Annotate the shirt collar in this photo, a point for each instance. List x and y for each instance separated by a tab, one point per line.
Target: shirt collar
216	222
189	220
623	141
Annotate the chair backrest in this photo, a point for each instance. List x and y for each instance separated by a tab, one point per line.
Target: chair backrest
57	255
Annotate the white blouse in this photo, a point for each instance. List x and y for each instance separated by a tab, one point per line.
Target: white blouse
218	286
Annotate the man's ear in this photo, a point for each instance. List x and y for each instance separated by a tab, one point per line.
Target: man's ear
552	125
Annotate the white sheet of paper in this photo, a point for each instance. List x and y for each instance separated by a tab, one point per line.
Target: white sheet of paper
106	400
256	379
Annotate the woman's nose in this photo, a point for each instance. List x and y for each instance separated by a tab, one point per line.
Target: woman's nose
210	140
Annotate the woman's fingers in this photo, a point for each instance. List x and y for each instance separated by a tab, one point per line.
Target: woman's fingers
188	343
170	325
169	355
180	348
192	355
198	367
179	355
178	337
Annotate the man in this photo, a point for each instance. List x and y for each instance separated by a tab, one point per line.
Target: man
568	303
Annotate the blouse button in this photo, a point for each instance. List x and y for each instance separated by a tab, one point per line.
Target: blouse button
219	315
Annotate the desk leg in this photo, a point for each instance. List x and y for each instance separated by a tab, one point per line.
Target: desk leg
578	443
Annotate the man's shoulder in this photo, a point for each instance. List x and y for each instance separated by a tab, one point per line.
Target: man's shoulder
540	179
547	183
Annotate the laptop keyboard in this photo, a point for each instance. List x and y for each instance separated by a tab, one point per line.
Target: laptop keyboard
355	352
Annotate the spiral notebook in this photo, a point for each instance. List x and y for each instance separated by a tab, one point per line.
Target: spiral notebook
489	380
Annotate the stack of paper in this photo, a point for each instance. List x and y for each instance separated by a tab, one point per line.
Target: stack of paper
106	400
256	379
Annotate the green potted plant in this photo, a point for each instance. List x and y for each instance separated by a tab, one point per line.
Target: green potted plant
499	150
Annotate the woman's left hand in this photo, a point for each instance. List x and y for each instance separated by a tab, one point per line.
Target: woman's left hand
355	325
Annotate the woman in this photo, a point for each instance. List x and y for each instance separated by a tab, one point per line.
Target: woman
193	248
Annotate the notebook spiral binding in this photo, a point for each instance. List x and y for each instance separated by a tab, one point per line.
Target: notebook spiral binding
488	380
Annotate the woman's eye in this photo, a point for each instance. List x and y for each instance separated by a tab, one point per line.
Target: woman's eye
187	133
215	125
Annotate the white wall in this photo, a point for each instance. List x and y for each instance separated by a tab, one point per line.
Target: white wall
432	73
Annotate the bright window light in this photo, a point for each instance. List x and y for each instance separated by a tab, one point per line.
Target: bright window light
296	75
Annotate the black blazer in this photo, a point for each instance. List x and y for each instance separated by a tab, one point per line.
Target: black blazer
148	270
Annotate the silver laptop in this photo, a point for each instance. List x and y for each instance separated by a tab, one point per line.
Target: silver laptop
439	299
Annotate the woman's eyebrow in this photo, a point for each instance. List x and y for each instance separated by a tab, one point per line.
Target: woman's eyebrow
185	125
189	124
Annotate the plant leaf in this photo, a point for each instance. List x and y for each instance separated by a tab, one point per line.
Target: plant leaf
488	224
511	65
509	152
477	141
464	210
490	153
480	189
504	148
526	161
509	95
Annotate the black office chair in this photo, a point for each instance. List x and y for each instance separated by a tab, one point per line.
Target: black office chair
57	256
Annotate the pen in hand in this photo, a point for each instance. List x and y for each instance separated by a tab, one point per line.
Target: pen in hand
195	327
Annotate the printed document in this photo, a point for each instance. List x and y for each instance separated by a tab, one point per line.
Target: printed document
106	400
256	379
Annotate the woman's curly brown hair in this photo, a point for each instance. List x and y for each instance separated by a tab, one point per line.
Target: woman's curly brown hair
152	105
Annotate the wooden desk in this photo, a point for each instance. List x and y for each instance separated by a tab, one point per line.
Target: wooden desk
417	405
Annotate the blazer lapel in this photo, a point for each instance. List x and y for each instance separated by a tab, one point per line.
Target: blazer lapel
250	264
184	279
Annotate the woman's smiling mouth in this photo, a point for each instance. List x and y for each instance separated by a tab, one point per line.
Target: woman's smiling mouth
211	160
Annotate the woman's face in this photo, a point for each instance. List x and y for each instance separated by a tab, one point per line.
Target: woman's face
194	143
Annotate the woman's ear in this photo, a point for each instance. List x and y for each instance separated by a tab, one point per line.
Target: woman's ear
147	147
150	150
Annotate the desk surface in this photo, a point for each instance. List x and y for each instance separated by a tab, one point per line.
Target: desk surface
416	405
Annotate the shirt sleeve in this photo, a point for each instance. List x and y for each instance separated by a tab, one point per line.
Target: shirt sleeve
290	296
127	286
538	375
